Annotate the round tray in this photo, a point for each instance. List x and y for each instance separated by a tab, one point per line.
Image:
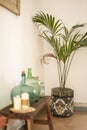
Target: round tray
30	109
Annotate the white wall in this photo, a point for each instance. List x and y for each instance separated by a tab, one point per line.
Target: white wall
71	12
20	47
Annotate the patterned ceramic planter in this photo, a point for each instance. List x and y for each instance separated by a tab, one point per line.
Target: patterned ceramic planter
62	102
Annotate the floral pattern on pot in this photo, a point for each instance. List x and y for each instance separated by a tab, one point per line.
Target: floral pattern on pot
62	107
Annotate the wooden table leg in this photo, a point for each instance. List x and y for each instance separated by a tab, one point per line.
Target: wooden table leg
30	124
49	116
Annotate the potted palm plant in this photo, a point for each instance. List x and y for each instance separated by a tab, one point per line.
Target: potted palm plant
65	44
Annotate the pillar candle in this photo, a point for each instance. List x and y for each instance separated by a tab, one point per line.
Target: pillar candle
25	101
17	103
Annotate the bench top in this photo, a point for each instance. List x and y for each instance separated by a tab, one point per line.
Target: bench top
39	105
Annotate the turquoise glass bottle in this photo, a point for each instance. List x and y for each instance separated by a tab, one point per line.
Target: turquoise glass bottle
34	82
23	88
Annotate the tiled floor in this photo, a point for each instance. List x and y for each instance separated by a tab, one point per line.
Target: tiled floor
78	121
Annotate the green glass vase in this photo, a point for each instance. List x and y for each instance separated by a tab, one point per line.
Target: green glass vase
23	88
34	82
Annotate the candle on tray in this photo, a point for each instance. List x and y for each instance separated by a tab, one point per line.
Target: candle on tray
25	101
17	103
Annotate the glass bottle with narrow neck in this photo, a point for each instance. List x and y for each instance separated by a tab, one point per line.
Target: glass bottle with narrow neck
29	74
23	75
23	88
34	82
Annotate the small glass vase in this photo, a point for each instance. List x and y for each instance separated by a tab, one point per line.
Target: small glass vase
23	88
34	82
42	90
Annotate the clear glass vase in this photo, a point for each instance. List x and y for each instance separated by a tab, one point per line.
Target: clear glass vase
23	88
34	82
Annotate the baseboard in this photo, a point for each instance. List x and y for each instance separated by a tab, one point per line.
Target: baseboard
80	107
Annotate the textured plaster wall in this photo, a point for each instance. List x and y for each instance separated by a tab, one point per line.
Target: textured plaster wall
20	47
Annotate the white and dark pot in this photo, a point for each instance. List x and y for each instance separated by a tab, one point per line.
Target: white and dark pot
62	102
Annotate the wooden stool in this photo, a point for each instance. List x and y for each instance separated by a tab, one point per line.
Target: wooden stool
43	103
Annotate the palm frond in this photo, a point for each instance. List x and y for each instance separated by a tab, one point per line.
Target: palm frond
42	19
77	26
43	58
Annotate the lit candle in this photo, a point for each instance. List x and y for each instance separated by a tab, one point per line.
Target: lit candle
17	103
25	101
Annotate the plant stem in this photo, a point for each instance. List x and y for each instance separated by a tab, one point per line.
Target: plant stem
59	70
68	65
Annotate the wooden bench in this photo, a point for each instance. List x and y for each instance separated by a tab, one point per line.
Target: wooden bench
43	103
